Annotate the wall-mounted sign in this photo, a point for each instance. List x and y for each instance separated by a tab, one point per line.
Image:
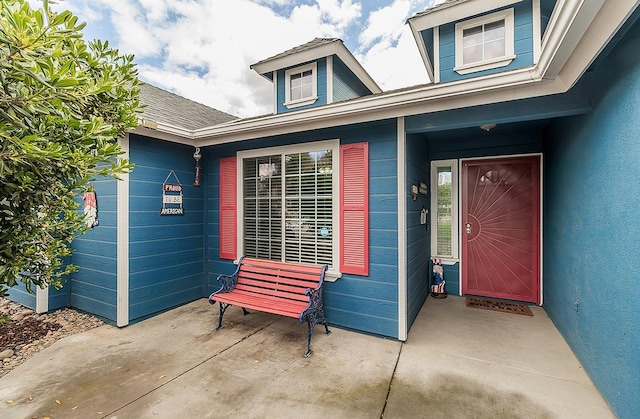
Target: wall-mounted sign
172	196
422	190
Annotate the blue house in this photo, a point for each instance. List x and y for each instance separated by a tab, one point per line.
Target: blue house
510	151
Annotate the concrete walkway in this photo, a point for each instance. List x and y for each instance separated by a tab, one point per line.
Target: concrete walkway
458	362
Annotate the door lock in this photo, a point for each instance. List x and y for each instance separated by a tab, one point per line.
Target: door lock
468	228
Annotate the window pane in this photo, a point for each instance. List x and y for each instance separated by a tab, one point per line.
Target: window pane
472	54
494	49
262	188
483	42
309	206
471	37
494	30
301	85
444	212
304	216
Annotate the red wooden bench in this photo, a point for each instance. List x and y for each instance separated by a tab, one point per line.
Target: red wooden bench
287	289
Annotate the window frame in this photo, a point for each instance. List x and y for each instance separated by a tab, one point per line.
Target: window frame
506	15
333	271
455	210
289	103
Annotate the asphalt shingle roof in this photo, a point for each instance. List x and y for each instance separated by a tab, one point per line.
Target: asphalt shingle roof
317	42
443	5
169	108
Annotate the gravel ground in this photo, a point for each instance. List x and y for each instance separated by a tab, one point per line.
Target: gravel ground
24	333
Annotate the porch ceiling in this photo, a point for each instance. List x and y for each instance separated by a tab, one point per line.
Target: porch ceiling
512	114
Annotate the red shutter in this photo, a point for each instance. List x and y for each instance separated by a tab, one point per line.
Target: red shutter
228	213
354	209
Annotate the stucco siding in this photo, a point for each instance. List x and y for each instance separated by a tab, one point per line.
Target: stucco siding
591	263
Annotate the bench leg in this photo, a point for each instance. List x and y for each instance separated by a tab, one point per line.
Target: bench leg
223	308
326	328
310	325
245	311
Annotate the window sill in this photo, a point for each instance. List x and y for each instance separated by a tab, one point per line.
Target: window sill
446	261
484	65
332	276
301	102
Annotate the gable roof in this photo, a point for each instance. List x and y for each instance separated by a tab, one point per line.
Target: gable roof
576	34
315	43
171	109
313	50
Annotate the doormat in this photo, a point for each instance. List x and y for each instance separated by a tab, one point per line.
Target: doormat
502	306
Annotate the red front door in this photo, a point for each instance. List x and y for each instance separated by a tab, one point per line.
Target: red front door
501	228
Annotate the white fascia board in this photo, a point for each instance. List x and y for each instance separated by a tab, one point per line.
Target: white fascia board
569	23
355	66
455	12
423	52
427	98
334	48
517	84
166	132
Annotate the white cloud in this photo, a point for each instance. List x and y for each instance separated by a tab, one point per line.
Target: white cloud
202	49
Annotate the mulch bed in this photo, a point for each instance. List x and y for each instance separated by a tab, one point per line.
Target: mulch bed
22	332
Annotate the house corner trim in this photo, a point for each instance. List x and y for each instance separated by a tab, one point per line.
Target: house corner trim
122	242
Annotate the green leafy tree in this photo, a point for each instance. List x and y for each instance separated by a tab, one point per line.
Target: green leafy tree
63	102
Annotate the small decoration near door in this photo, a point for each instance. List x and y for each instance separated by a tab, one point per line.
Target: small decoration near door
172	196
437	284
90	208
422	188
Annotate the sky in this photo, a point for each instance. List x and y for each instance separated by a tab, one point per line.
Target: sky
202	49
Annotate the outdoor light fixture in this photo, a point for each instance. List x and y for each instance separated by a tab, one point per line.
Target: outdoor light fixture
197	156
487	127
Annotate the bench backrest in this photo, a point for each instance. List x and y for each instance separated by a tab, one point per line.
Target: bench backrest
279	279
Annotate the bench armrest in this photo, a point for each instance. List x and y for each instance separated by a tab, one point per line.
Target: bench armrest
227	282
316	303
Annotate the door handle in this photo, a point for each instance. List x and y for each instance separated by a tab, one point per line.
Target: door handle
468	228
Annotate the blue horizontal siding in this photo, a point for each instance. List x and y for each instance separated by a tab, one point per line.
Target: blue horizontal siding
93	287
20	295
98	307
417	236
321	80
166	260
372	304
58	298
523	44
345	83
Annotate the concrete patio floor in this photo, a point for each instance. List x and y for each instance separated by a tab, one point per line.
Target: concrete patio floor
458	362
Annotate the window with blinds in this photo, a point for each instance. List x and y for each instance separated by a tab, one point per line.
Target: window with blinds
288	207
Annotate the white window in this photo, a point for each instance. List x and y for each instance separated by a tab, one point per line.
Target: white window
444	209
289	200
301	86
485	42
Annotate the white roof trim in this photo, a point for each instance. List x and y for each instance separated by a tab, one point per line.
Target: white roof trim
316	53
455	12
576	33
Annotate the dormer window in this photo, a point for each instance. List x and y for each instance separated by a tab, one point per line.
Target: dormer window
485	42
301	86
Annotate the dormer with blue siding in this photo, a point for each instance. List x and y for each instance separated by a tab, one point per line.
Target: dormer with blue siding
317	73
461	39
